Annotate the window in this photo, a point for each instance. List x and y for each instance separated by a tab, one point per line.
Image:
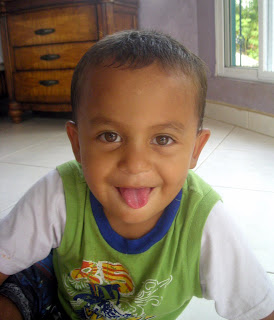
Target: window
245	39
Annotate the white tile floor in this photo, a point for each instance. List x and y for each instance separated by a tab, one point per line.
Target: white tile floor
238	163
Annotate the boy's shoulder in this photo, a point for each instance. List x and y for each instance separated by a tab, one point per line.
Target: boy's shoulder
195	184
198	194
71	170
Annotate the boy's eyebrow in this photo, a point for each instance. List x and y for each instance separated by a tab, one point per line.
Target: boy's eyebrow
175	125
103	121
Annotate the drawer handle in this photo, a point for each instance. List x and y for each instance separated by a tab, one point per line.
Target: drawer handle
49	57
44	32
48	83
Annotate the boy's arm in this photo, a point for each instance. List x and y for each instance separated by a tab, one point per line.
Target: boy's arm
230	274
22	293
3	277
8	310
270	317
36	222
34	226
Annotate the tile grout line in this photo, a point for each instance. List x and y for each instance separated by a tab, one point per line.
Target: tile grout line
10	206
19	150
26	165
237	188
233	127
25	148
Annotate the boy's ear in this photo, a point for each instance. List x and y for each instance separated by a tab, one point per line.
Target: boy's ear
201	140
72	132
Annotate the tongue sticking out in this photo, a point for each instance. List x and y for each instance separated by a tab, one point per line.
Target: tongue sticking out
135	198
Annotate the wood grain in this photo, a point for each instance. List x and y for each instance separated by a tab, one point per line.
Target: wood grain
123	21
13	6
28	88
7	56
77	25
53	107
70	24
29	58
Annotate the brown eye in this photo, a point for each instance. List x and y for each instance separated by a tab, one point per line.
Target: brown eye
110	137
163	140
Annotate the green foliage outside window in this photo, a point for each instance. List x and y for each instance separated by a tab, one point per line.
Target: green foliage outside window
247	28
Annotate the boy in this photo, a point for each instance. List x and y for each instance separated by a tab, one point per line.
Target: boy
136	234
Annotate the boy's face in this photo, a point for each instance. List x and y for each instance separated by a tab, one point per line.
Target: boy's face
136	138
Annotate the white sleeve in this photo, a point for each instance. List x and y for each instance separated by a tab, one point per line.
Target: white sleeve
230	273
34	226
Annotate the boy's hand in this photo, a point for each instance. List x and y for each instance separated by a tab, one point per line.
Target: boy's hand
8	310
270	317
3	277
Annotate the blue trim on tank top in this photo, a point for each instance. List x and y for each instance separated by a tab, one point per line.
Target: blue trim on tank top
142	244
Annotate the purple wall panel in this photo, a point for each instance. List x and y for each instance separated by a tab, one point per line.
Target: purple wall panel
252	95
175	17
206	32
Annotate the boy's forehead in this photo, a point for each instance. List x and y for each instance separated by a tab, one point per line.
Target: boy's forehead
148	85
105	78
150	92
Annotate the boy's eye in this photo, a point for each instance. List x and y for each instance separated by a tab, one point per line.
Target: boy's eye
110	137
163	140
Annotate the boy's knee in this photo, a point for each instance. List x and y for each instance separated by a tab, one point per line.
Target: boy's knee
8	310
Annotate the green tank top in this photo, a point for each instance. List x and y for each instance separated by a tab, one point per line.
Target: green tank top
97	280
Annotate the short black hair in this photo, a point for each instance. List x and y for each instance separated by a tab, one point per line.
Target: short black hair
133	49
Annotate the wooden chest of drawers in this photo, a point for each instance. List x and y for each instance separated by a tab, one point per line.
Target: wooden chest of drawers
43	40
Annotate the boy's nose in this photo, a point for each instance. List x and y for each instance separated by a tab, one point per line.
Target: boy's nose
135	160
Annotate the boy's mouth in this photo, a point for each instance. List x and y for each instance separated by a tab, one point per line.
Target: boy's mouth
135	197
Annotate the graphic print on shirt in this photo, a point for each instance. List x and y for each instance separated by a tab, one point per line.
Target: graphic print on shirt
105	290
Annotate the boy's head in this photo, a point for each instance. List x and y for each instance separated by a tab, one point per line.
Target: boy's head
138	100
138	49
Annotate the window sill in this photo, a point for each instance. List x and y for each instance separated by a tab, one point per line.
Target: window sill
247	74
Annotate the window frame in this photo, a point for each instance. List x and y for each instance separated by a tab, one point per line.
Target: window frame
263	41
245	73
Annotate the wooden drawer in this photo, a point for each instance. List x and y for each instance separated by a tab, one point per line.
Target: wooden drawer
70	28
28	87
60	25
124	19
57	56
